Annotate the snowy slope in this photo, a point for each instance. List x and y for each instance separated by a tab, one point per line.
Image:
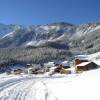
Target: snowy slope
87	28
8	35
85	86
37	35
34	35
95	56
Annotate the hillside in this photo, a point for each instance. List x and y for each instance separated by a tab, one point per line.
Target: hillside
41	43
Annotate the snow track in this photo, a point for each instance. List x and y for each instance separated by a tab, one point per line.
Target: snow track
84	86
24	88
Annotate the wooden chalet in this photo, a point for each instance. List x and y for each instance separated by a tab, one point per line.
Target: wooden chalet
60	69
18	71
85	66
65	64
18	68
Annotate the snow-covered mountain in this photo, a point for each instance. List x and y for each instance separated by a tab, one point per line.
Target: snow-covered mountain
85	36
34	35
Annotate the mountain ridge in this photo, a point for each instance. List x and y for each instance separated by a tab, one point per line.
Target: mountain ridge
41	43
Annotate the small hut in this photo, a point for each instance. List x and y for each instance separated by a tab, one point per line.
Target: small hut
49	64
62	70
18	69
86	66
65	64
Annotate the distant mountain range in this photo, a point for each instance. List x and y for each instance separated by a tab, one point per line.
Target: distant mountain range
17	35
62	36
59	35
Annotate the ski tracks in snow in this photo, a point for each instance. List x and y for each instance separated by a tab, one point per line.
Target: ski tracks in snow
25	89
40	91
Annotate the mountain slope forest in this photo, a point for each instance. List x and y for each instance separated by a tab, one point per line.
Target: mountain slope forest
42	43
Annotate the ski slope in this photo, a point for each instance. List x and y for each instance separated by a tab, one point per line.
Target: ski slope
85	86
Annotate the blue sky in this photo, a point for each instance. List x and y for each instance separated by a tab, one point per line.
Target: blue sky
29	12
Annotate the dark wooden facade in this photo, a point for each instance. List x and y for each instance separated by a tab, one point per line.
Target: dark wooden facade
86	67
18	71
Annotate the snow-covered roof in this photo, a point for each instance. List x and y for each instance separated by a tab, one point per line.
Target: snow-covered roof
83	57
15	68
49	64
83	64
65	63
97	62
18	66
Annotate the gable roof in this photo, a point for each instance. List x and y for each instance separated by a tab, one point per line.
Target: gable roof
97	62
65	63
82	57
84	64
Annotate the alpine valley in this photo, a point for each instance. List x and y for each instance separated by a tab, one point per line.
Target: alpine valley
42	43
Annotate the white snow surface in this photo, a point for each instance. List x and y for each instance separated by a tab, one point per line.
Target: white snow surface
85	86
83	64
36	43
86	29
65	63
40	42
8	35
47	28
57	39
